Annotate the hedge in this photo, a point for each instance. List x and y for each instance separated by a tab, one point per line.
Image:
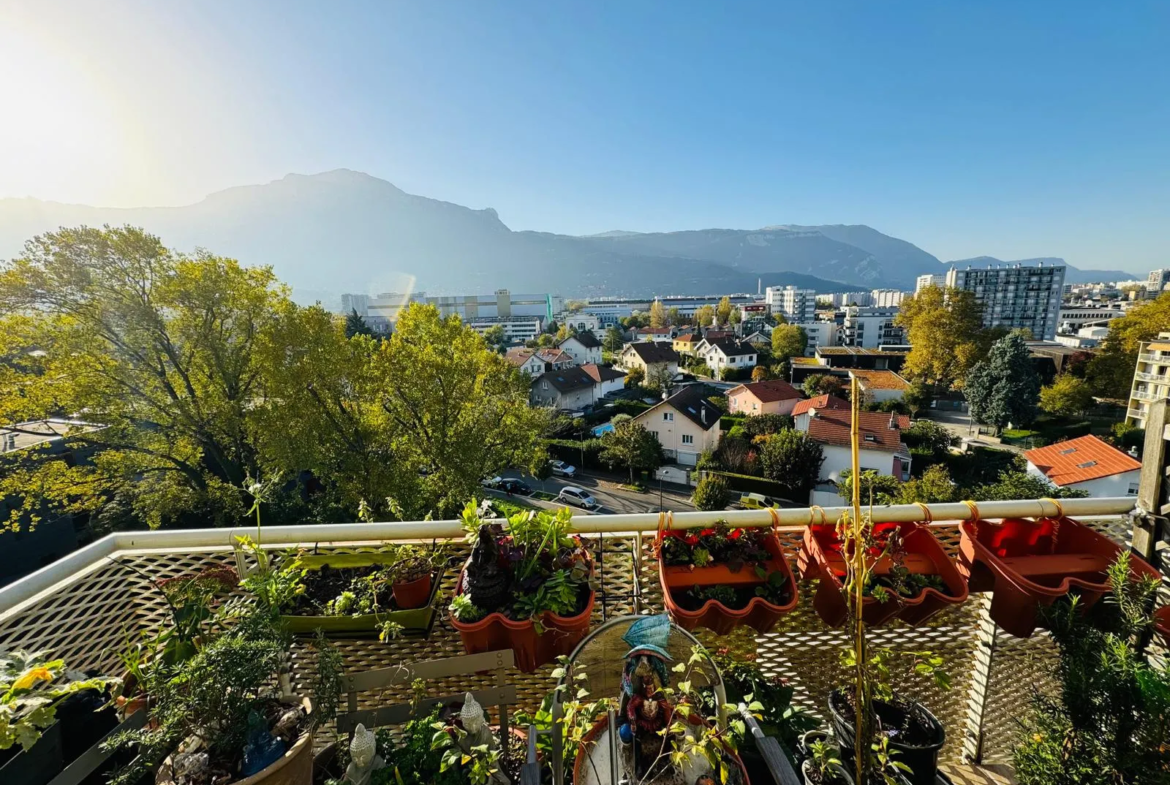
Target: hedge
570	451
747	483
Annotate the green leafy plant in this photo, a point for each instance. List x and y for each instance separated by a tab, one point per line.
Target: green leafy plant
824	758
744	680
32	687
578	715
478	763
329	681
463	609
775	588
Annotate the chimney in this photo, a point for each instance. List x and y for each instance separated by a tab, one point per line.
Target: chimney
703	413
893	422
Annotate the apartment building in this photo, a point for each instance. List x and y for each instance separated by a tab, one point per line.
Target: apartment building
382	310
1016	296
1151	378
924	281
886	298
797	305
1072	318
870	328
842	299
1157	281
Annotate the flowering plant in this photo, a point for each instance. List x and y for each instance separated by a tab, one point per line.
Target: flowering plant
718	544
31	688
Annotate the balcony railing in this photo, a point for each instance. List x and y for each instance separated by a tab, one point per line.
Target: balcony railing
86	606
1157	378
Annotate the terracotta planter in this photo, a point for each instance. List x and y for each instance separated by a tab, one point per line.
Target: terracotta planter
496	631
1028	565
412	594
714	615
820	557
1162	623
294	768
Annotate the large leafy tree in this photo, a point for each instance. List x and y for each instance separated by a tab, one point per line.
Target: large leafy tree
155	352
1067	396
658	317
712	493
788	341
630	445
1005	387
723	310
945	330
613	340
1110	372
704	315
793	460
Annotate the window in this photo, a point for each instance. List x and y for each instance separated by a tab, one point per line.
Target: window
1133	488
688	439
668	416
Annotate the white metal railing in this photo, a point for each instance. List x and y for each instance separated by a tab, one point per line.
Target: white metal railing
1157	378
33	587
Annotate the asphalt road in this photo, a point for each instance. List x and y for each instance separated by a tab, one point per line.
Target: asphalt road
612	499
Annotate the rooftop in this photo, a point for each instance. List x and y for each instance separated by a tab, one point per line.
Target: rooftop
768	390
879	431
690	403
841	351
652	352
1080	460
879	380
566	379
820	402
586	338
602	373
733	348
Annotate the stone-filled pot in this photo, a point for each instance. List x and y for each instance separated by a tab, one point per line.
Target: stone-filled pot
1028	565
496	631
412	594
921	758
820	557
295	767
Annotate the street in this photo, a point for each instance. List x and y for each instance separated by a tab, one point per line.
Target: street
611	498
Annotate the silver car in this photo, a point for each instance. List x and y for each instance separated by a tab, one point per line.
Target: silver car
578	497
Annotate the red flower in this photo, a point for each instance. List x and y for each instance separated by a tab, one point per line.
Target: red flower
706	532
691	539
735	534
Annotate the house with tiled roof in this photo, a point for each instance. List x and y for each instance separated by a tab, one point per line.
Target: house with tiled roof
881	445
648	356
576	387
686	343
1086	464
686	424
800	412
724	353
656	334
772	396
537	361
878	386
583	347
606	380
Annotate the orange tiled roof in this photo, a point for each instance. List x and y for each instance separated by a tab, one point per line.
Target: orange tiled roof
831	426
820	402
1080	460
769	390
880	380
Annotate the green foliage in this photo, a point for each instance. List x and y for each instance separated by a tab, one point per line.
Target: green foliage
1022	485
1110	372
946	335
495	337
918	397
724	310
934	486
1127	436
1067	396
792	460
766	424
704	316
32	686
930	437
328	681
1110	721
630	445
463	609
355	324
613	340
712	493
875	488
788	341
635	377
823	384
1004	388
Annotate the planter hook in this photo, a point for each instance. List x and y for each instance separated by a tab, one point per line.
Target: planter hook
821	510
927	513
973	507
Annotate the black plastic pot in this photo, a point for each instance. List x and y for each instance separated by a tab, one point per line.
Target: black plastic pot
36	765
79	726
922	760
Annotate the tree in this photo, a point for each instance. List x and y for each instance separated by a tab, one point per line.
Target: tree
545	340
766	424
723	311
495	337
704	316
659	378
635	377
929	437
945	330
1110	372
918	397
793	460
154	347
355	324
573	306
1128	436
658	314
729	374
1067	396
1014	484
674	316
614	340
788	341
629	444
822	384
735	317
564	331
761	373
935	486
875	488
712	493
1005	387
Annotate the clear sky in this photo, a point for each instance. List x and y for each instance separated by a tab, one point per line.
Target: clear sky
1013	129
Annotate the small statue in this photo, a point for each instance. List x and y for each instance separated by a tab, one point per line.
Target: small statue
486	583
261	749
475	724
363	757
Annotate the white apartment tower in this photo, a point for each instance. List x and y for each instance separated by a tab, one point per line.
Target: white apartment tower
1151	378
1015	296
924	281
1157	281
797	305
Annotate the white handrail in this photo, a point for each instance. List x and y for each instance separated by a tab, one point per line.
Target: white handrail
45	580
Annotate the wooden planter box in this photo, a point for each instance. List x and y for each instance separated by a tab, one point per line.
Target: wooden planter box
820	557
759	614
1028	565
416	622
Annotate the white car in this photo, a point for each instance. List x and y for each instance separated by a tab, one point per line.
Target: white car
562	469
578	497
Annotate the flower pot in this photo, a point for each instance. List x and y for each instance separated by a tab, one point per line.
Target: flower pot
295	767
820	557
412	594
841	776
1162	623
1028	565
37	765
496	631
758	613
920	756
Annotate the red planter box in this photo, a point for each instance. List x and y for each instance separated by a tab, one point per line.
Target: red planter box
1162	623
759	614
820	557
1029	564
496	631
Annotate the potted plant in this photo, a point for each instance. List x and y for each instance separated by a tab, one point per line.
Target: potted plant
1027	565
911	579
47	715
720	578
1162	622
388	592
823	765
527	586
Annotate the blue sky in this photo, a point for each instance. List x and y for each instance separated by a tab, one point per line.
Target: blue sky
1002	128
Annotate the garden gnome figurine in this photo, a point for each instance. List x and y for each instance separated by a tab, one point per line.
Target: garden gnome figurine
363	755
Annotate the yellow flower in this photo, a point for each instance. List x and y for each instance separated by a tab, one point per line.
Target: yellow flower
1036	737
31	677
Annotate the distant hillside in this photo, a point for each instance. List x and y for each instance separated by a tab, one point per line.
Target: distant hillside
344	231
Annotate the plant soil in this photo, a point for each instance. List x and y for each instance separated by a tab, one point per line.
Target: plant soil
687	600
327	583
907	726
225	769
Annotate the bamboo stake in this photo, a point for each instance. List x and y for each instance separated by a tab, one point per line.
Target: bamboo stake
858	559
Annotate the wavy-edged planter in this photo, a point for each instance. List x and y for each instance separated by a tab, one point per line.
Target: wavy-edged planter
532	649
759	614
1162	623
820	558
1028	565
416	622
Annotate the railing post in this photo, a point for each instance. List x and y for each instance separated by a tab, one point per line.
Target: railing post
1150	517
980	680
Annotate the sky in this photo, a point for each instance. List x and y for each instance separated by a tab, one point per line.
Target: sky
969	128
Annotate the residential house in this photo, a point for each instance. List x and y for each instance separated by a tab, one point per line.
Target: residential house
537	361
580	321
857	357
583	347
686	424
686	343
718	334
649	356
606	380
576	387
656	334
881	445
726	353
804	409
773	396
879	386
1086	464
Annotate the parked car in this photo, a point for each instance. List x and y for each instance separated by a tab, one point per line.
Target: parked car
562	469
578	497
758	501
518	487
491	482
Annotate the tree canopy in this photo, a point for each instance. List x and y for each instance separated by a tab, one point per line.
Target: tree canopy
704	316
1005	387
946	334
658	317
630	445
793	460
788	341
1067	396
1110	372
723	310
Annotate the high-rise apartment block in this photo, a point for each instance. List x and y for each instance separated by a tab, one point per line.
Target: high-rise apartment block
886	298
924	281
1015	296
1151	378
797	305
1157	280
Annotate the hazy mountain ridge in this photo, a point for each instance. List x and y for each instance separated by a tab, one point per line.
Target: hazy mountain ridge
345	231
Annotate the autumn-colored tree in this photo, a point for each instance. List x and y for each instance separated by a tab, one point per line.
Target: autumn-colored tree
788	341
760	373
658	316
945	330
674	316
1110	372
704	316
723	311
1067	396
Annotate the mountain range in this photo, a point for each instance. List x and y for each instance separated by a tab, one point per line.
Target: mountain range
345	231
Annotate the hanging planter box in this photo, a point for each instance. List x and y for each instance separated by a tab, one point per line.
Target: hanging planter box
1162	623
560	635
415	622
1028	565
820	557
758	613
